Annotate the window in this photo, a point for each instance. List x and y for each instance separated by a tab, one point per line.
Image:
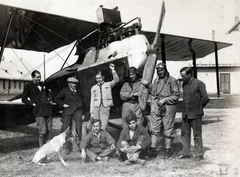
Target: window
225	82
9	84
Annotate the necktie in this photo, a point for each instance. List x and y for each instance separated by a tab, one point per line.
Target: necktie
39	87
101	93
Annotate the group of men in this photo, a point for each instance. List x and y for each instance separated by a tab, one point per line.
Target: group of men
135	141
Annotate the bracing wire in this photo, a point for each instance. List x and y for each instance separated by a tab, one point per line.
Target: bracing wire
27	22
3	21
43	39
37	67
47	29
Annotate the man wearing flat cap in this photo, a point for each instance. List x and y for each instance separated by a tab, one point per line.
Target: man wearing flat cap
70	101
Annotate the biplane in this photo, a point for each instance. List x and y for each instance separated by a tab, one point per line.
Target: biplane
108	41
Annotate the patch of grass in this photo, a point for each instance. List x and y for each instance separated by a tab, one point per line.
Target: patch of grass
19	144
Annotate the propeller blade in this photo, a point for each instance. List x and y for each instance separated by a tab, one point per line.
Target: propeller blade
150	63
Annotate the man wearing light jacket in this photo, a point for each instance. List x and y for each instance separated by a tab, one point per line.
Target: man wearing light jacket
101	97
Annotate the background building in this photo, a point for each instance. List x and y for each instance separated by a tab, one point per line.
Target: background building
229	64
14	74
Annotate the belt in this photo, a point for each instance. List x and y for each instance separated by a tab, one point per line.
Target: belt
131	101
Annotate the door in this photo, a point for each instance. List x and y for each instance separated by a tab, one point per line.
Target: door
225	82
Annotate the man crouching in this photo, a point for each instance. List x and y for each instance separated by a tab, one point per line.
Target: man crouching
132	142
97	144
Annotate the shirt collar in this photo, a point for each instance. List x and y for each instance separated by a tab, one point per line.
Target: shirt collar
36	83
97	135
190	80
99	84
71	89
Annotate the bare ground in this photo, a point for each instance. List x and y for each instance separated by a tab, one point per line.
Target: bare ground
221	131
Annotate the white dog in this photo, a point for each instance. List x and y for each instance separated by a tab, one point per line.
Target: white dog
52	146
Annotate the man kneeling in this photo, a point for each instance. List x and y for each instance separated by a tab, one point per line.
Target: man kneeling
134	139
98	144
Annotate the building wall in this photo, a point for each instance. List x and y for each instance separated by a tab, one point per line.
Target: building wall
11	87
208	76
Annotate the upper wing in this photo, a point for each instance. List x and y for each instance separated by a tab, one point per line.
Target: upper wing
31	30
178	48
37	31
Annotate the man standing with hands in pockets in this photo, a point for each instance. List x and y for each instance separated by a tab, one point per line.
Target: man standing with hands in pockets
69	99
36	95
195	98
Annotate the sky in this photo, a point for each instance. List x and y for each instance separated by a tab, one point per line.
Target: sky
192	18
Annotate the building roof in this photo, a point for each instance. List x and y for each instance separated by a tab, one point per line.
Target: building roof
15	69
235	27
221	65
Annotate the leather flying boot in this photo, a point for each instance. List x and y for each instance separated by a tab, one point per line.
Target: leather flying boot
152	153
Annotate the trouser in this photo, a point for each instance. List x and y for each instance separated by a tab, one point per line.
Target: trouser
127	156
44	129
141	152
85	130
196	125
102	113
167	122
129	108
92	153
67	122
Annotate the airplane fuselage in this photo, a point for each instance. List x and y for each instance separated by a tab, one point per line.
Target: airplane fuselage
133	47
125	53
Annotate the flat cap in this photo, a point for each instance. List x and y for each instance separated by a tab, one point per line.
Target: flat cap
72	79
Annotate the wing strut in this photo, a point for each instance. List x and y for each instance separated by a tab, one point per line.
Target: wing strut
6	35
69	54
193	57
217	71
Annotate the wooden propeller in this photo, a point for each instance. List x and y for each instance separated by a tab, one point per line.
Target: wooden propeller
148	71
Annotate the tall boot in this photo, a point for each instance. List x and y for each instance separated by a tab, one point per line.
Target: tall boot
167	153
168	145
152	152
68	148
154	139
153	149
41	140
48	137
168	142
